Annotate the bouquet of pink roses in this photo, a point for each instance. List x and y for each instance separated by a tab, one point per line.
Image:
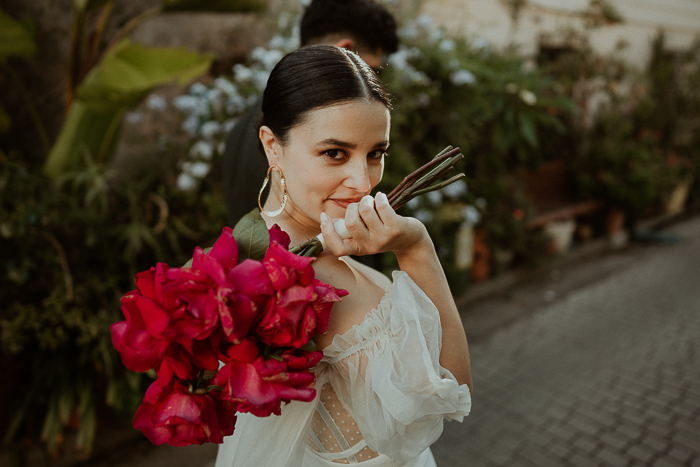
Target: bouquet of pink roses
255	317
232	330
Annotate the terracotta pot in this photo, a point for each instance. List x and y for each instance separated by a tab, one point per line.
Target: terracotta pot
481	265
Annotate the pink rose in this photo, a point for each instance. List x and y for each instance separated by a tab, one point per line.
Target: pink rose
259	386
178	417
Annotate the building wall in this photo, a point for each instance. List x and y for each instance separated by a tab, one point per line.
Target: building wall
491	20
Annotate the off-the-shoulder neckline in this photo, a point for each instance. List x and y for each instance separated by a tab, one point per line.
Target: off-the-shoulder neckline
369	317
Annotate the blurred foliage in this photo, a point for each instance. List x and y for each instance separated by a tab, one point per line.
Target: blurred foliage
639	132
126	74
495	105
71	243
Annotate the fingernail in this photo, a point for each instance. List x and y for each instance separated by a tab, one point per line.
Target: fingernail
324	218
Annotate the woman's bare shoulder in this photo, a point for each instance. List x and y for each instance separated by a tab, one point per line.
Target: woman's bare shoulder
372	274
365	287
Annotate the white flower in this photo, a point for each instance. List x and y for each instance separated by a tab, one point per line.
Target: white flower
481	203
190	125
225	86
399	59
413	203
202	149
186	103
480	43
409	32
196	169
283	20
447	45
471	215
260	79
242	72
528	97
423	215
424	21
455	190
435	198
461	77
156	102
198	89
235	104
186	182
213	95
284	43
268	58
210	129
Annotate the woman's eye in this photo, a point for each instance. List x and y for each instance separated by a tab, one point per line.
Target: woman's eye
334	153
378	154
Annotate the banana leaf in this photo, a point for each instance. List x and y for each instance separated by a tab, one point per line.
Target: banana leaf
127	73
16	37
213	5
87	5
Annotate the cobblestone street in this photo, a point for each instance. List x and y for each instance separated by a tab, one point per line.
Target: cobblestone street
606	374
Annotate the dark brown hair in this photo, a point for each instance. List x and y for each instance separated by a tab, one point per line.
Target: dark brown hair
314	77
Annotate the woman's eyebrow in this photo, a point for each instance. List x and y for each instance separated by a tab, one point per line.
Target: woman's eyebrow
345	144
337	142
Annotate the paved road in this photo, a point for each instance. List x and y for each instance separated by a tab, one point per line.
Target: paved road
595	365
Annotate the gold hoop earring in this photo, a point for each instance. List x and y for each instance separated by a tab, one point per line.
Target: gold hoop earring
285	194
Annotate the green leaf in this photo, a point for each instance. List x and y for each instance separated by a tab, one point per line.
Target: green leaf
528	131
127	74
230	6
65	405
16	37
251	236
309	346
86	432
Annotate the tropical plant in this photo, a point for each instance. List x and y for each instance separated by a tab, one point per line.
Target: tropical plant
74	234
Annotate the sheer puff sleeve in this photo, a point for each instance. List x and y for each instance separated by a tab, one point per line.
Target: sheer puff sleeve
386	373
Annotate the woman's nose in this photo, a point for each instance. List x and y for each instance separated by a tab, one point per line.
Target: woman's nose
358	177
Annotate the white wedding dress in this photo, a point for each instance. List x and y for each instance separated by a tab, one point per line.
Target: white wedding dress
381	400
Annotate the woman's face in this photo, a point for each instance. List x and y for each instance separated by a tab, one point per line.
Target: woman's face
332	159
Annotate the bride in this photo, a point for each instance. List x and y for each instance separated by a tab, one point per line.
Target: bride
396	360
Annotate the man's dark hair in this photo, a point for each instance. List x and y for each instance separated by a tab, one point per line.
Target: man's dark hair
369	23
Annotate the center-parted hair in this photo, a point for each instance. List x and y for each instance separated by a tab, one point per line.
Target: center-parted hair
314	77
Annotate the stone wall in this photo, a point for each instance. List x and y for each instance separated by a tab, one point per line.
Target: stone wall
491	20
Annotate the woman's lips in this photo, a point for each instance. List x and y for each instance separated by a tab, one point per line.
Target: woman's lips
344	203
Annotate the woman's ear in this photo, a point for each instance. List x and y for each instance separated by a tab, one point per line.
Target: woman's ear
270	145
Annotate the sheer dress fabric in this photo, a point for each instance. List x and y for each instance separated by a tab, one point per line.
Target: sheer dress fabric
381	400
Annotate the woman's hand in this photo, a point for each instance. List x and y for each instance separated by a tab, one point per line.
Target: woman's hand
374	227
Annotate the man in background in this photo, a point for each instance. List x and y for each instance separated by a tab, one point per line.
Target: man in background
363	26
